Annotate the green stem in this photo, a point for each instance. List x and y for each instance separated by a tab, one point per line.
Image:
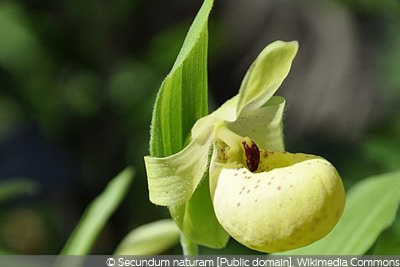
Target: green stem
189	248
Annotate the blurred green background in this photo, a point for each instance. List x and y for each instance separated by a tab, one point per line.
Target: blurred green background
78	80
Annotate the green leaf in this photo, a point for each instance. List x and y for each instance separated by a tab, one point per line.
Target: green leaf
97	214
371	207
182	98
13	188
266	74
150	239
181	101
197	219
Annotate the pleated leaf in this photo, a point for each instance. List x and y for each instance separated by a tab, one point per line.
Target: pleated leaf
182	98
181	101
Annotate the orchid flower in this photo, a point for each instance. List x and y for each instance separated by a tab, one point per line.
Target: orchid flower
234	177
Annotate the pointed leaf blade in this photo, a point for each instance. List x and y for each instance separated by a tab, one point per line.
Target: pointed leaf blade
97	214
182	98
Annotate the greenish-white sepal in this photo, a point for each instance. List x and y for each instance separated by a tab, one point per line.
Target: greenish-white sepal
263	125
173	179
204	128
150	239
227	112
266	74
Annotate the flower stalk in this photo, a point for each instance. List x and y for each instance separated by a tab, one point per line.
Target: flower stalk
189	248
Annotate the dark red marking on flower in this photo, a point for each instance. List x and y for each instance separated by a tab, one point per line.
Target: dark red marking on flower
252	155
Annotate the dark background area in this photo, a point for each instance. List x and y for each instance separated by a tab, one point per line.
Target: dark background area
78	80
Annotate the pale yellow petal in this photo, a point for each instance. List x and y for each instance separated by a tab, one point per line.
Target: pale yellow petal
292	205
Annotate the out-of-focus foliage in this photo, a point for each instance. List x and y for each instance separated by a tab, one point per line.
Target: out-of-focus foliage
15	187
149	239
96	215
77	85
78	81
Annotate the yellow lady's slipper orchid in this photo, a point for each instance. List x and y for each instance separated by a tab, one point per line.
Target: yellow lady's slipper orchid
267	199
277	201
